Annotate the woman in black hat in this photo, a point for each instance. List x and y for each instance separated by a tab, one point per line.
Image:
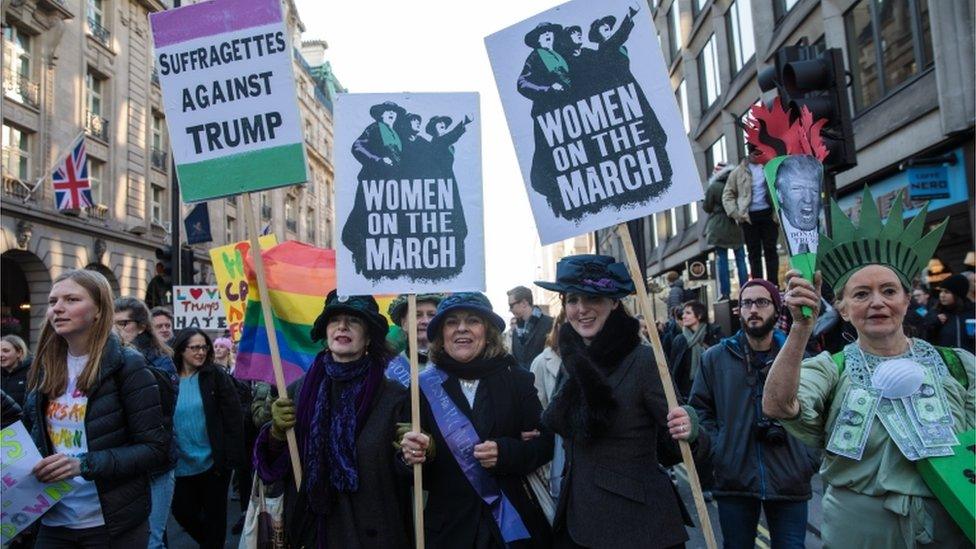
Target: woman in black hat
580	59
953	310
379	147
442	142
344	417
613	417
482	411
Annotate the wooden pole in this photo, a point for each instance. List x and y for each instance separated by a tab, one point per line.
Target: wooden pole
644	302
279	374
418	471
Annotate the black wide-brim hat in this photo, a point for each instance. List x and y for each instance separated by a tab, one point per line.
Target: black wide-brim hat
475	302
596	275
431	127
594	35
532	37
362	306
376	111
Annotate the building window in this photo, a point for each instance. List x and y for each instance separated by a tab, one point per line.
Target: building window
654	234
96	174
230	229
708	74
95	123
783	7
157	201
16	153
96	21
715	153
889	42
291	211
697	6
672	223
310	226
691	214
742	44
682	97
266	206
158	153
674	32
17	67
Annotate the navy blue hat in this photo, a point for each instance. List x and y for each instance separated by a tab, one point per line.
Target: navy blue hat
467	301
363	306
598	275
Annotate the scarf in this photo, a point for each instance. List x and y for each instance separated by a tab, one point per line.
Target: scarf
696	343
390	138
554	63
329	449
478	368
585	406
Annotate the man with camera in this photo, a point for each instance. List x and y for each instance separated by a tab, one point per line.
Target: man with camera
757	465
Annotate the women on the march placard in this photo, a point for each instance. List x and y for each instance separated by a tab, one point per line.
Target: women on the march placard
482	413
344	412
886	401
134	327
94	414
613	417
209	431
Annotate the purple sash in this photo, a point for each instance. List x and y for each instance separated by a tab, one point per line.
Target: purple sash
399	370
461	437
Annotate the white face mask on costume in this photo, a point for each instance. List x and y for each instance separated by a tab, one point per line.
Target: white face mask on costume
898	378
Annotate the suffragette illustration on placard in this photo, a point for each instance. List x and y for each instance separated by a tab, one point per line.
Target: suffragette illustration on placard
416	160
593	117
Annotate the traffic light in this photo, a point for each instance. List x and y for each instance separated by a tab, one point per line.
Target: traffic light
164	263
188	268
807	76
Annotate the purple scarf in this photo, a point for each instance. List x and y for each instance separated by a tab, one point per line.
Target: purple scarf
329	448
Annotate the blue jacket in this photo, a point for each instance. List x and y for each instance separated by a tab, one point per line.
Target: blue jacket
727	394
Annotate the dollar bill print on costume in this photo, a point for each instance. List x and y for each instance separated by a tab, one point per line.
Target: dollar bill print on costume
408	193
593	117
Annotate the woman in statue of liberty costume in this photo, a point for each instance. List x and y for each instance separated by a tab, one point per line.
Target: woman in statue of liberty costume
883	403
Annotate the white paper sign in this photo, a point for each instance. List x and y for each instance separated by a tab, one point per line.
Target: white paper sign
198	307
593	117
408	193
24	498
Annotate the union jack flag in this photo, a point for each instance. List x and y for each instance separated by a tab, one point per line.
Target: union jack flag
72	187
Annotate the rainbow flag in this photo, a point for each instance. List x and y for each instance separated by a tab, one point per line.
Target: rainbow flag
299	277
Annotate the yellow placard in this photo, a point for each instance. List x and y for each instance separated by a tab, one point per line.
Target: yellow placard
228	267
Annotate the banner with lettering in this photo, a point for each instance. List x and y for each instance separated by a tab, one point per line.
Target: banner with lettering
24	497
408	193
228	269
198	307
225	68
593	117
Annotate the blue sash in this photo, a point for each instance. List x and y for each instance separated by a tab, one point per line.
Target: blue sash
461	438
399	370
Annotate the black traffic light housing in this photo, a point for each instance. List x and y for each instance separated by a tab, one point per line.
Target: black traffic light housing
188	268
815	78
164	260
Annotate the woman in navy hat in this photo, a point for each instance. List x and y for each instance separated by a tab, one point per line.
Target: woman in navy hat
613	416
482	412
344	417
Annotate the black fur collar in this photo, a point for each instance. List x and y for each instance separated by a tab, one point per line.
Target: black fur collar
584	406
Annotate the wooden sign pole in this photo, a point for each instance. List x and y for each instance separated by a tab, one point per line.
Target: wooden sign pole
644	303
418	471
279	374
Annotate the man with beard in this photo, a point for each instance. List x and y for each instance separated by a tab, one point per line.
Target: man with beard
757	465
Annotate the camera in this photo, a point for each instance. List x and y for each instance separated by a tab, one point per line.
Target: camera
770	431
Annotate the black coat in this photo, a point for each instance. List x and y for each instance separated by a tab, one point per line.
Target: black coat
225	423
612	414
679	357
728	408
952	333
526	348
506	404
14	382
126	436
10	411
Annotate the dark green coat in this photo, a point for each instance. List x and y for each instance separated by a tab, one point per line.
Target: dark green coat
720	229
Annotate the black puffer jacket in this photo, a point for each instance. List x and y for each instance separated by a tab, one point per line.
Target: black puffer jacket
125	433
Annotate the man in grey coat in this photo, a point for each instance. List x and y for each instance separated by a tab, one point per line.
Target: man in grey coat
531	326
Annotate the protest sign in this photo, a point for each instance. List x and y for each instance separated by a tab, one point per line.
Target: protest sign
408	193
225	68
24	497
593	117
198	307
228	269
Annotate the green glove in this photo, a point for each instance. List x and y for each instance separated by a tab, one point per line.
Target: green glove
282	417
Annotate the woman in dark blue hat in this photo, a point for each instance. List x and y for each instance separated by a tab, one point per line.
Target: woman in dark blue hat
613	417
344	417
477	404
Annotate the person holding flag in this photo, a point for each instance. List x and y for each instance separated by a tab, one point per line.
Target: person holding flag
344	413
